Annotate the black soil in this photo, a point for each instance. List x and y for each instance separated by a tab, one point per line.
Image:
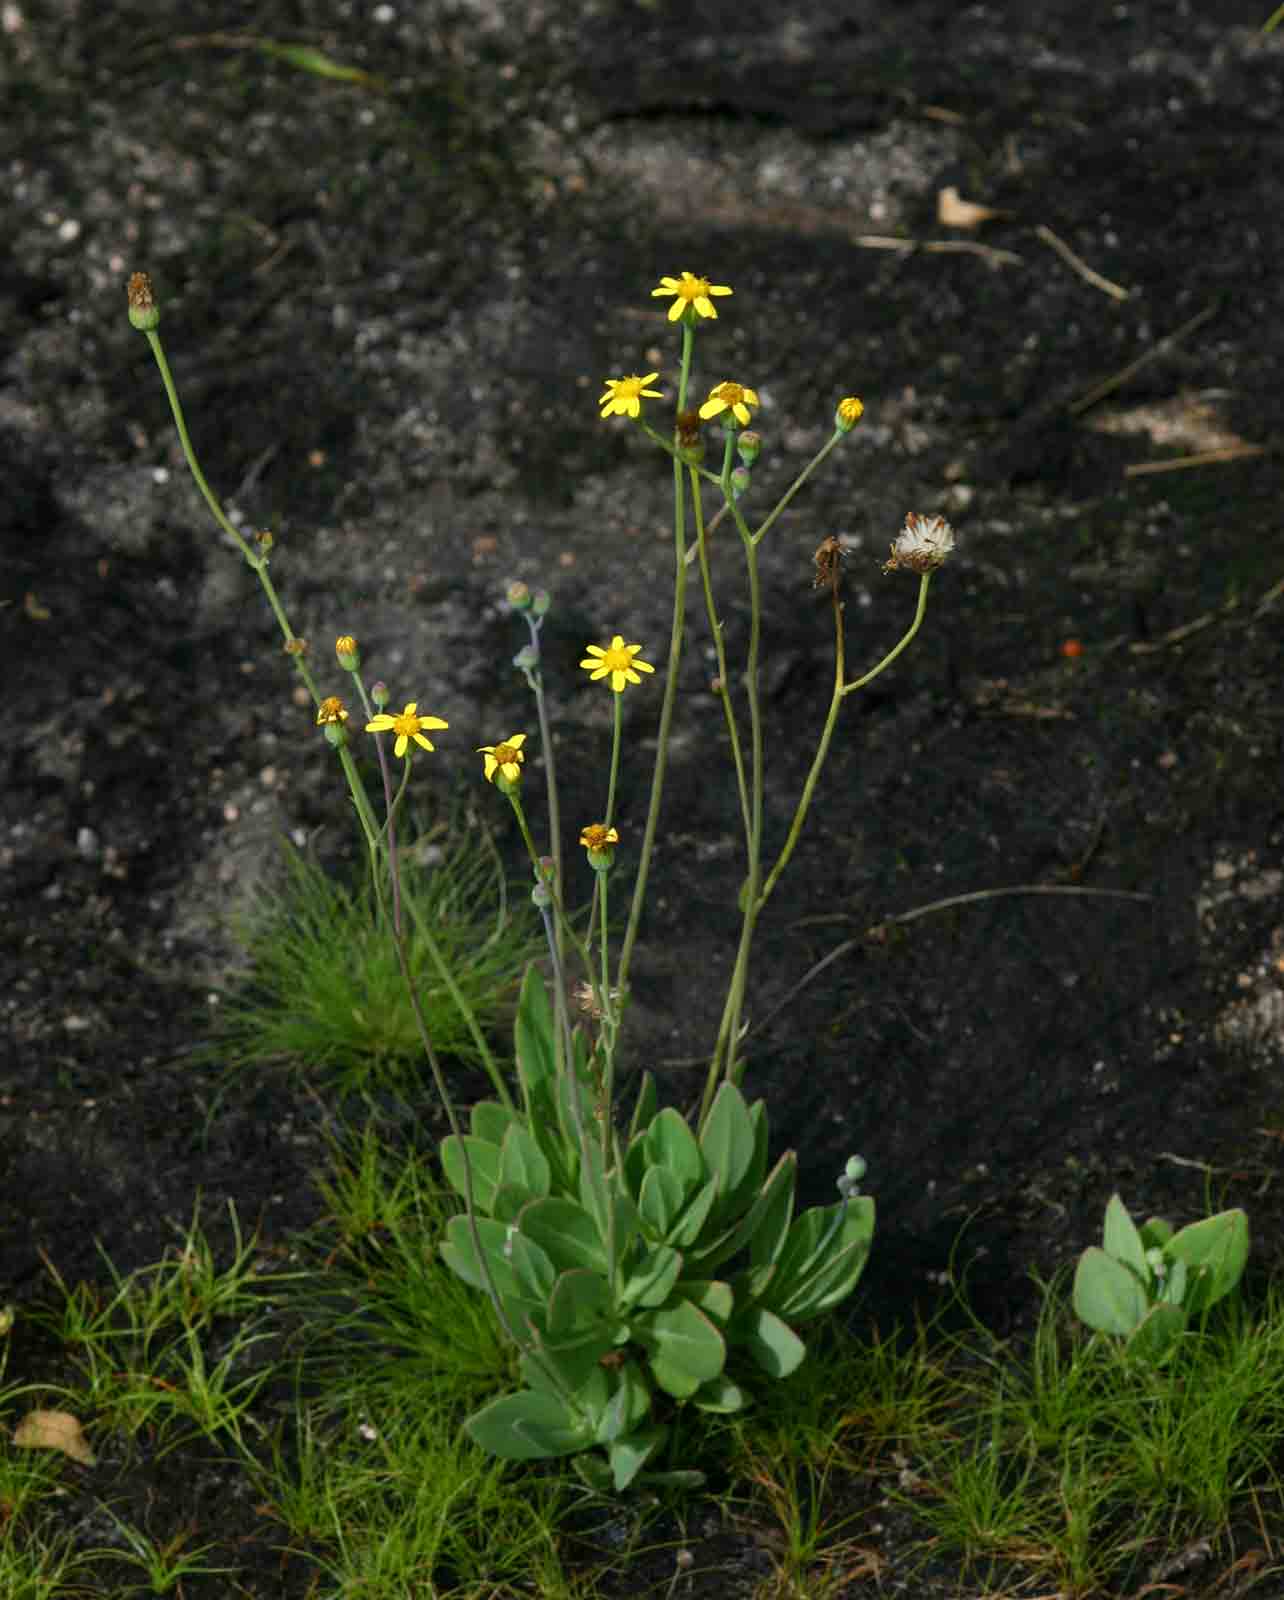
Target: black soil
390	304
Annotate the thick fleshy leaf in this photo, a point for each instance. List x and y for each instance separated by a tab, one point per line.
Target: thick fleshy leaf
523	1164
573	1367
1121	1239
484	1160
671	1144
580	1303
714	1297
727	1142
720	1396
771	1225
1158	1334
631	1453
458	1253
690	1225
684	1346
660	1200
770	1341
1108	1296
1214	1251
490	1121
566	1232
831	1273
628	1406
651	1282
530	1425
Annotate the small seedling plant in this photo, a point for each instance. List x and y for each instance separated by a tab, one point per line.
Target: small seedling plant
1144	1285
636	1257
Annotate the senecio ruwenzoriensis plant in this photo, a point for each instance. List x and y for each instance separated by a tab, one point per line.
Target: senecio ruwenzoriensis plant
1145	1284
645	1255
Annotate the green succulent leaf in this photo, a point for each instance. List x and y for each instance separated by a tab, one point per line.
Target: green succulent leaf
684	1346
690	1225
714	1297
670	1144
484	1159
660	1200
580	1302
491	1121
1108	1295
652	1280
771	1342
1157	1334
728	1143
1122	1240
775	1213
458	1252
531	1425
1215	1251
631	1453
566	1232
720	1395
523	1164
628	1406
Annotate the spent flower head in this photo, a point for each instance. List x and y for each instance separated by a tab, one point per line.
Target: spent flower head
505	759
144	314
331	709
618	661
690	294
624	396
921	546
733	397
407	726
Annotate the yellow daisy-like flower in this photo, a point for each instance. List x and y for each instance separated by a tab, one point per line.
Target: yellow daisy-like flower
331	709
506	758
409	725
689	290
597	837
733	397
624	396
619	662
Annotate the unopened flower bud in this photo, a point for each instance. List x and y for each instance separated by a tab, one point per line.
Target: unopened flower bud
541	603
265	541
526	659
849	1183
519	597
740	478
143	311
295	647
849	413
379	693
545	876
348	652
749	446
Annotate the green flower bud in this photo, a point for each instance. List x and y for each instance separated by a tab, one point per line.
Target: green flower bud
740	477
379	693
749	446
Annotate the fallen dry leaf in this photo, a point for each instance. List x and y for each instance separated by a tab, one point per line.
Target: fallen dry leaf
952	211
54	1430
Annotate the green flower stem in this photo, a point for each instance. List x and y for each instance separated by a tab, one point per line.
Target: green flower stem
554	889
728	1039
798	483
670	691
550	785
617	729
822	749
258	564
724	685
859	683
